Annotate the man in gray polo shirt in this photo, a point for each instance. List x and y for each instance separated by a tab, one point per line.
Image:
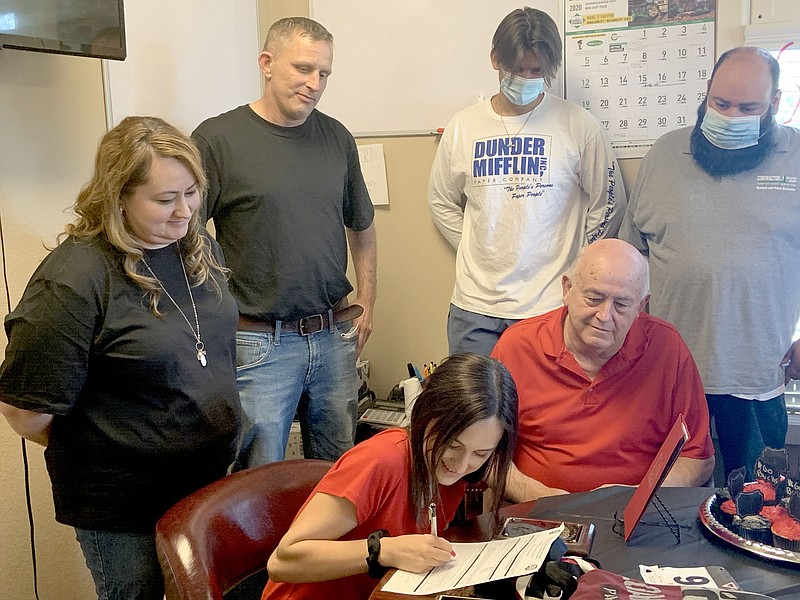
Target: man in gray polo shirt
716	207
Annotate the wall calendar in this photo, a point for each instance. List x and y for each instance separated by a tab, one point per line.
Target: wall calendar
640	66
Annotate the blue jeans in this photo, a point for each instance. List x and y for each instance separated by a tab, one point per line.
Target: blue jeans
472	332
744	427
124	566
282	374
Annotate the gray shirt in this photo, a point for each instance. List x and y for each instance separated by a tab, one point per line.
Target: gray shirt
723	257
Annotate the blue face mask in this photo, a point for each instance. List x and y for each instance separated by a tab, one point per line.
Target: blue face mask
731	133
521	91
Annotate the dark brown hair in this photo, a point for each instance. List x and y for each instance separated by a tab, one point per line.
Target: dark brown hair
528	30
465	389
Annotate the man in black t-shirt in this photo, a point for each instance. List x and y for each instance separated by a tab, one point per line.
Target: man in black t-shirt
286	195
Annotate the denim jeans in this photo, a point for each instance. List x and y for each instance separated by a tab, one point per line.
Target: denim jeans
744	427
124	566
282	374
472	332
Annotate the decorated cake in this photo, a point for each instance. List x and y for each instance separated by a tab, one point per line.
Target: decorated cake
767	510
786	531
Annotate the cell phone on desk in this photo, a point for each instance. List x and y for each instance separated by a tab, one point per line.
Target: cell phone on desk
577	536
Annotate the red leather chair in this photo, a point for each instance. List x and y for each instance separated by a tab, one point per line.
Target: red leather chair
226	531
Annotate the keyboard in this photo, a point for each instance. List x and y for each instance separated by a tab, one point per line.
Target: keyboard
384	417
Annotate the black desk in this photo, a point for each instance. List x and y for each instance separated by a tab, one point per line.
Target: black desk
653	544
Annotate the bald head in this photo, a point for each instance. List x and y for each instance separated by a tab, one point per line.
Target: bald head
751	61
615	257
603	291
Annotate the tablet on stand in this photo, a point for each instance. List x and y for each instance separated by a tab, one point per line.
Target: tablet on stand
659	468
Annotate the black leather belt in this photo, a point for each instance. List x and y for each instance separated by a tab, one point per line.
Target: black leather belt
305	325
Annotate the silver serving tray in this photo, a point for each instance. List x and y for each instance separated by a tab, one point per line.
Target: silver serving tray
726	535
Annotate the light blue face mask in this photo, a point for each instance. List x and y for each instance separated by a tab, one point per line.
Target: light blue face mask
519	90
731	133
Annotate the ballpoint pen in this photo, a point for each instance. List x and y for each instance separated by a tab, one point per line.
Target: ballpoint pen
432	515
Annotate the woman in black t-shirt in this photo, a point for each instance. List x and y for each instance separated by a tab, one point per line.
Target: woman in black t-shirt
121	355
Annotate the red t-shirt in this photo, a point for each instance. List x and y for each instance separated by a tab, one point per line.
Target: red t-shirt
375	477
577	434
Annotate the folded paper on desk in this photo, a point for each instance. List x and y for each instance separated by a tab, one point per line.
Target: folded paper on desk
479	563
600	585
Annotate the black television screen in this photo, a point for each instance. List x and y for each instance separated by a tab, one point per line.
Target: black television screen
78	27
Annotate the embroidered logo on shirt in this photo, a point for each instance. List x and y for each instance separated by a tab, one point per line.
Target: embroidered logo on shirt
783	183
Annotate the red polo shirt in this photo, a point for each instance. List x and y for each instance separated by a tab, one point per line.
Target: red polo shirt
577	434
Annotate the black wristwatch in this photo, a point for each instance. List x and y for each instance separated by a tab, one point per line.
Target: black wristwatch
375	569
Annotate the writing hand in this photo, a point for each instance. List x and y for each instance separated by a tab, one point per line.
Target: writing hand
415	553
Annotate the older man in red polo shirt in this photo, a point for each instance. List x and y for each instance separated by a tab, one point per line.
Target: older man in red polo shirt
601	383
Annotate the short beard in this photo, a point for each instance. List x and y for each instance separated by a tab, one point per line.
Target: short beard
718	162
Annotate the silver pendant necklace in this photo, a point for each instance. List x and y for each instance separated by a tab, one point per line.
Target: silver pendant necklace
520	129
199	346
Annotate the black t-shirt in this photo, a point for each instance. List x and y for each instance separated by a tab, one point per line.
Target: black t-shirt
281	198
139	423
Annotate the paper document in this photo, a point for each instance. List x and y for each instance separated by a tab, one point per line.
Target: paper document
373	167
478	563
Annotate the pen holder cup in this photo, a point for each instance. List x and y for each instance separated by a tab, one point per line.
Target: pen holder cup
412	387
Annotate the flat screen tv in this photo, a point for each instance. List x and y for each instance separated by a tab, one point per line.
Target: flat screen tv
78	27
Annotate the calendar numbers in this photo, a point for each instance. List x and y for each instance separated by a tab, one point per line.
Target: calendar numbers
641	81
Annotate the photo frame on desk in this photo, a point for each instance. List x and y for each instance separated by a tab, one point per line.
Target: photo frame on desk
659	469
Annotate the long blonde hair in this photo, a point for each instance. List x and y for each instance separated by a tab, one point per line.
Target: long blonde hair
124	157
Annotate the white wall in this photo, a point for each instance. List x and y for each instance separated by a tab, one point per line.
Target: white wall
187	60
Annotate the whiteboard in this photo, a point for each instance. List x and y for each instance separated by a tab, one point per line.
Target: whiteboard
403	67
187	60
